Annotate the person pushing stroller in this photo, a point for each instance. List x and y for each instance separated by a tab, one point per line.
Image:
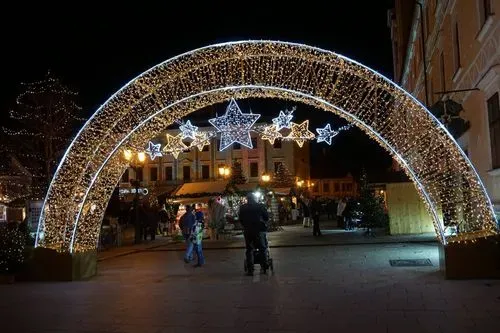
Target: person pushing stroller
254	219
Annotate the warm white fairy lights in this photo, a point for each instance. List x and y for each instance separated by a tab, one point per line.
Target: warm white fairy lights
448	184
174	145
300	133
270	133
201	139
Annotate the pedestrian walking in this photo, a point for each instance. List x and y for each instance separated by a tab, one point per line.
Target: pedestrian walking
316	213
340	213
254	219
187	223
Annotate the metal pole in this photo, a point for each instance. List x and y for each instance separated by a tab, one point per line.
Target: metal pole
136	210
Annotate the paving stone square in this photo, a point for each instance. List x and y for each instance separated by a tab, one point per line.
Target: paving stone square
346	288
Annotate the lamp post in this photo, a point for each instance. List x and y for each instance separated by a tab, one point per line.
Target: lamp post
136	162
224	171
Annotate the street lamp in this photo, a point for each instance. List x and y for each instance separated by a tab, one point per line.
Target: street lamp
265	178
224	171
135	162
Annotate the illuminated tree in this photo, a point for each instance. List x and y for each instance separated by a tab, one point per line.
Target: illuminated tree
237	176
41	126
282	177
370	207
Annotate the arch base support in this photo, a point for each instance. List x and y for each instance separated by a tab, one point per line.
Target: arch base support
50	265
479	259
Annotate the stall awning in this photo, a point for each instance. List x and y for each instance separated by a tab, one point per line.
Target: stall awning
198	188
190	201
282	190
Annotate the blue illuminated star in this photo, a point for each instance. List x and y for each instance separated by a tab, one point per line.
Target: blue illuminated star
154	150
234	126
283	120
326	134
188	130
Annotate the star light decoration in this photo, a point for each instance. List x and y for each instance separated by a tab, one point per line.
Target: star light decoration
270	133
201	140
188	130
300	133
234	126
284	119
174	145
154	150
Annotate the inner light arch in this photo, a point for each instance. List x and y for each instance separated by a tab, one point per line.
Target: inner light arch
370	81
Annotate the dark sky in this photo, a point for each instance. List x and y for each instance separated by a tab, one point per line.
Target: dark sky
97	48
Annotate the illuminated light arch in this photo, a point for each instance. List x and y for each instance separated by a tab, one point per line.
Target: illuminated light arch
92	165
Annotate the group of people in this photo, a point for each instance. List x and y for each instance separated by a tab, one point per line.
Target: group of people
254	219
192	224
312	209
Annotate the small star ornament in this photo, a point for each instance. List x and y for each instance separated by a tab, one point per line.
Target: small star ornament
201	140
300	133
174	145
283	120
270	133
326	134
154	150
234	126
188	130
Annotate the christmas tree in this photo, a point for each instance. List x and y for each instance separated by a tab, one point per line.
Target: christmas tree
237	176
370	206
282	177
41	126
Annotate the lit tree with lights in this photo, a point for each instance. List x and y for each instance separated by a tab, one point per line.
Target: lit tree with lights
282	177
43	122
370	207
237	176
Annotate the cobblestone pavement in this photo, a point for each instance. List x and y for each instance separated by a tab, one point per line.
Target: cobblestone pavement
348	288
290	236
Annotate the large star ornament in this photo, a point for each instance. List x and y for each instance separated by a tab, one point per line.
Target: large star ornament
300	133
270	133
234	126
188	130
283	120
326	134
154	150
174	145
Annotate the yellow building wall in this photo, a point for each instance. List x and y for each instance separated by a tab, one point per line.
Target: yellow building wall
407	213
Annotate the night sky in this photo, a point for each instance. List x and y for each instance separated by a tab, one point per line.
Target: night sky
97	49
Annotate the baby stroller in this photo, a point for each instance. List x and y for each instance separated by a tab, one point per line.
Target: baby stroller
262	258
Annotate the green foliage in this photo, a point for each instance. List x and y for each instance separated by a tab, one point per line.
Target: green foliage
12	243
371	206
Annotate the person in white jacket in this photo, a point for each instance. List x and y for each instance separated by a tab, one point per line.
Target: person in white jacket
340	213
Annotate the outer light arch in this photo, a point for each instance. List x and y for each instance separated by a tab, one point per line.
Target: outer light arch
230	44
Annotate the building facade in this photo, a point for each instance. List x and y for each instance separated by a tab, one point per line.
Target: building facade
460	43
203	166
335	188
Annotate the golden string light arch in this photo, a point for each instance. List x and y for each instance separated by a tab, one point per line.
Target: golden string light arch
143	108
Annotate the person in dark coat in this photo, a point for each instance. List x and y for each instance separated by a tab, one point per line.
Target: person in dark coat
186	223
254	218
316	212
